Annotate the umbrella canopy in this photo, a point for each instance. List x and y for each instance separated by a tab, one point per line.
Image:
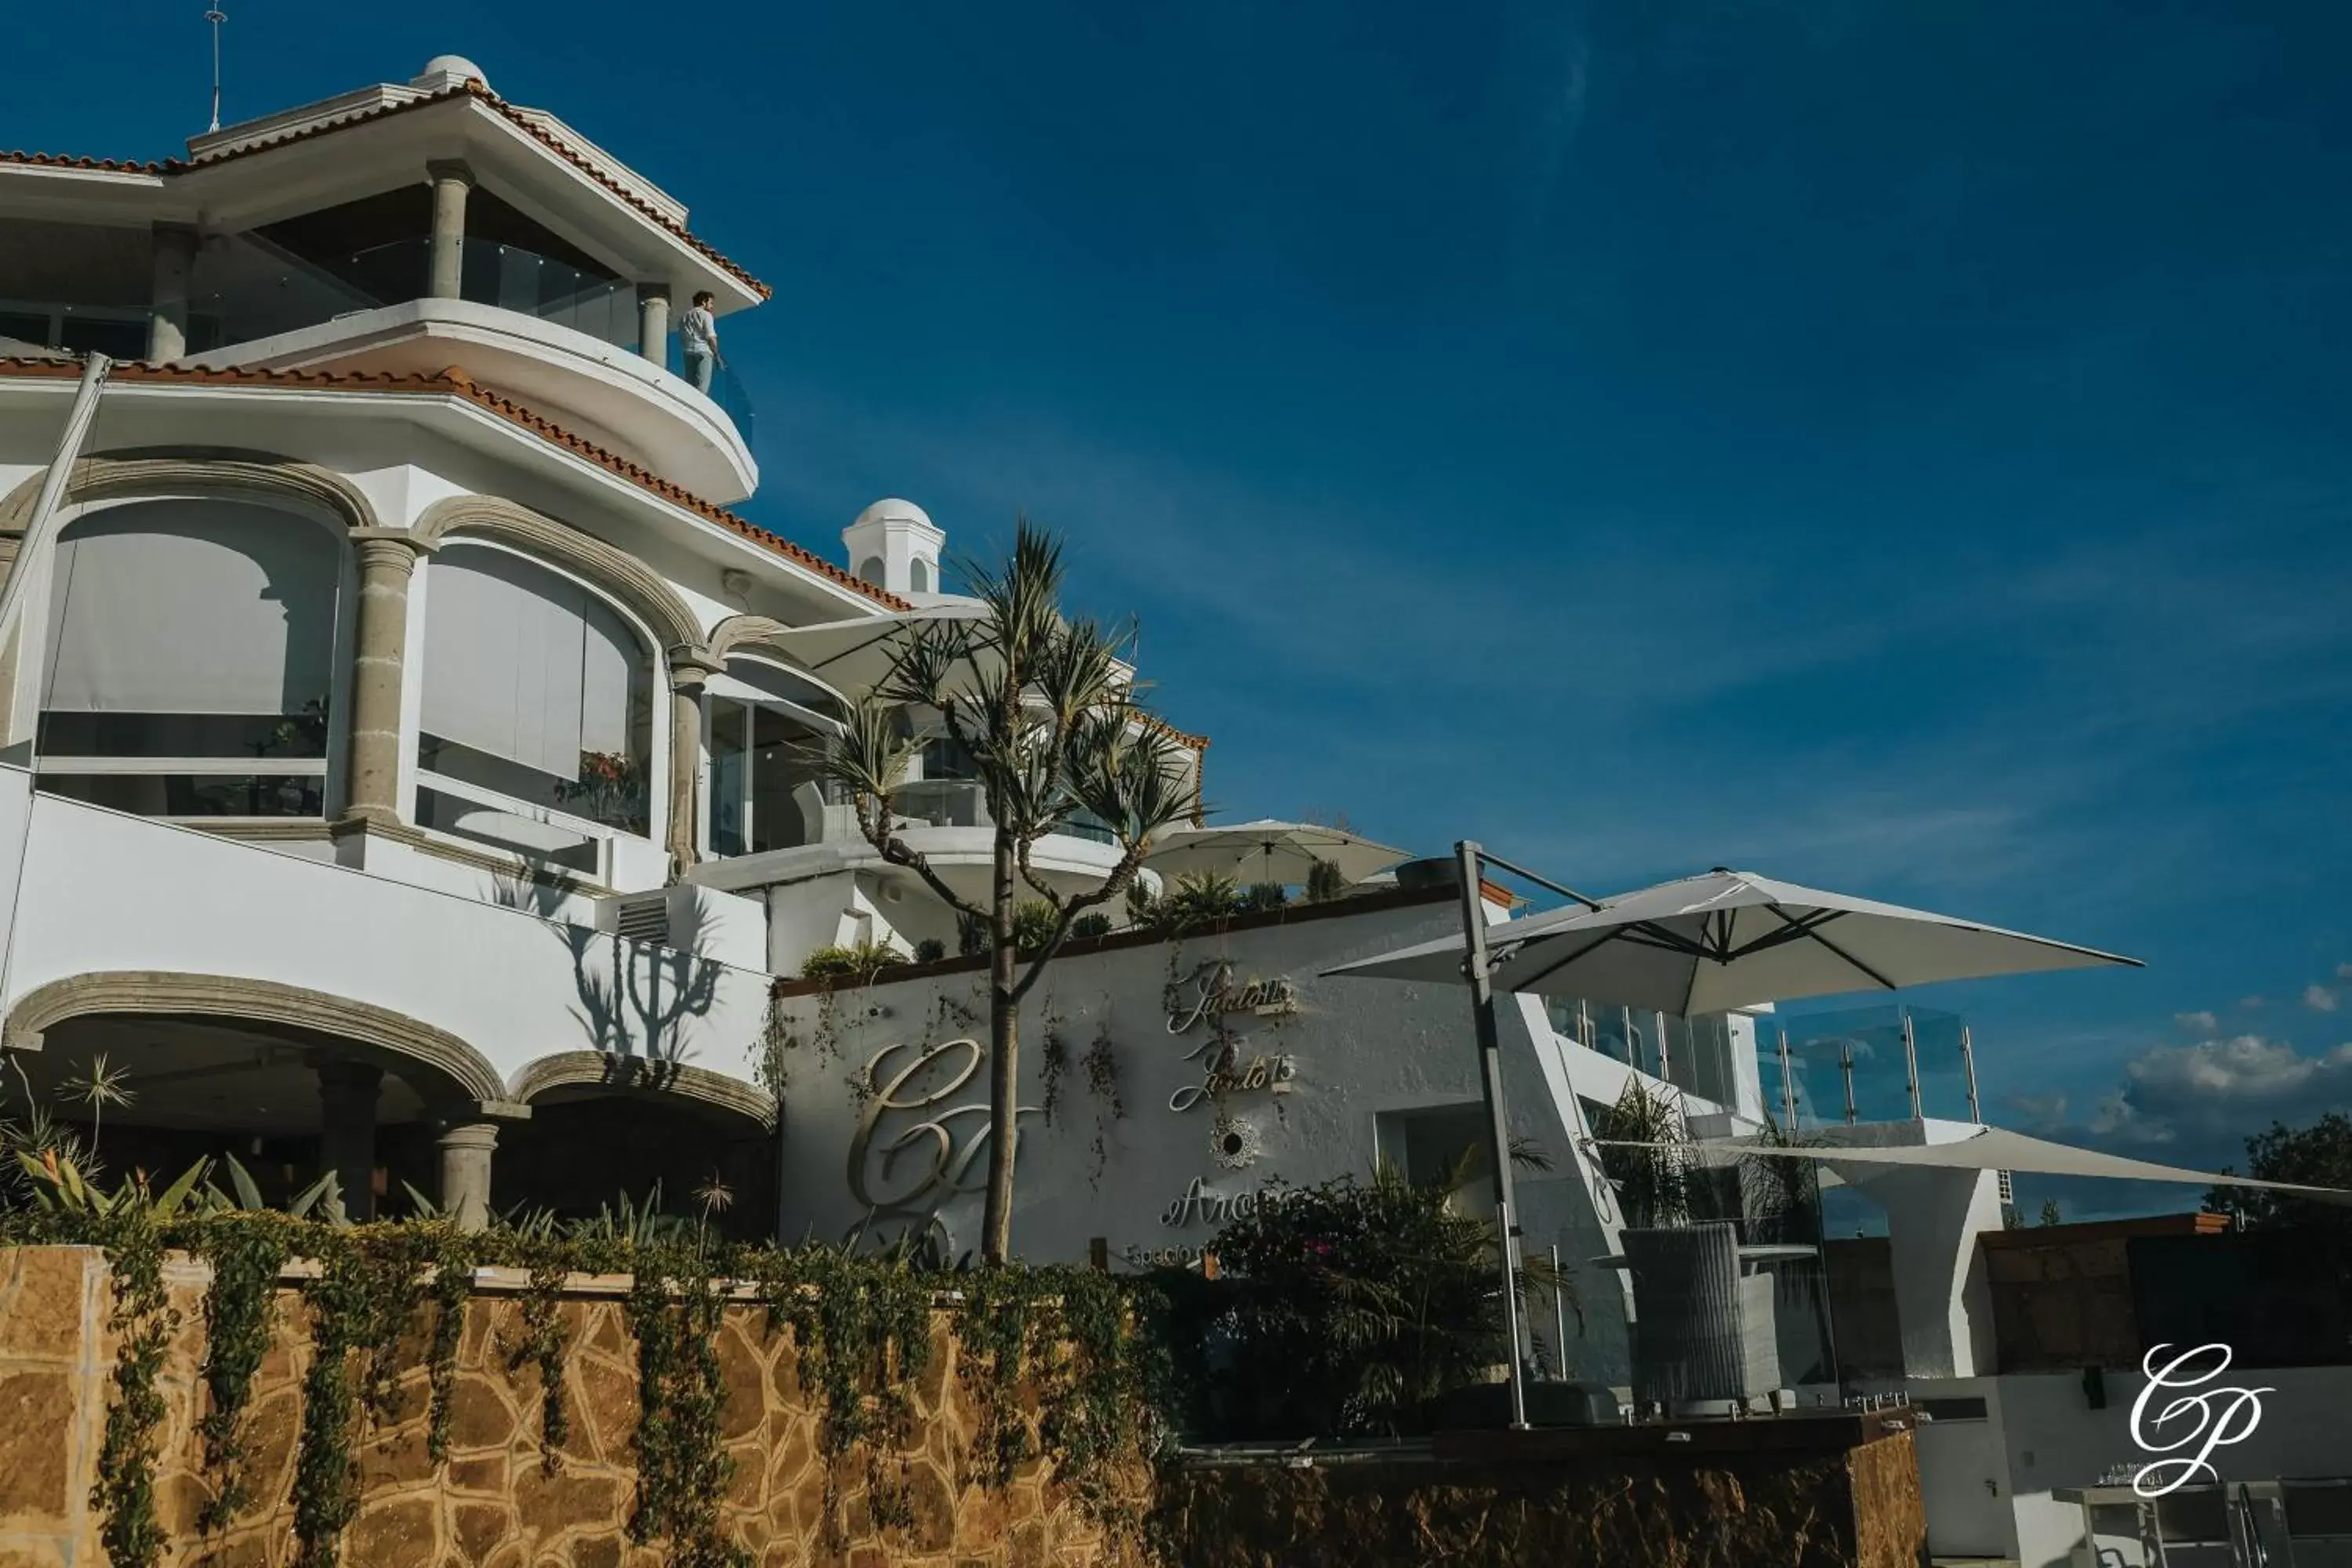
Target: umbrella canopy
1733	939
857	655
1994	1148
1269	851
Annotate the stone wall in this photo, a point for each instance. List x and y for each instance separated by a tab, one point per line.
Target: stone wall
1833	1490
493	1503
1596	1499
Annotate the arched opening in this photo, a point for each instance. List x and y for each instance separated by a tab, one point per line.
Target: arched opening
919	575
190	659
599	1129
764	727
872	570
153	1072
536	732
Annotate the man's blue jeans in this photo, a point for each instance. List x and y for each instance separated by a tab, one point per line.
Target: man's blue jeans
698	371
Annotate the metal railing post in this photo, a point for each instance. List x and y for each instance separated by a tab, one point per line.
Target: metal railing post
1788	1082
1845	1070
1911	1066
1968	1066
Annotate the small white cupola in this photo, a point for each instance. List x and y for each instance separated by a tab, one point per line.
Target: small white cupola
895	545
443	72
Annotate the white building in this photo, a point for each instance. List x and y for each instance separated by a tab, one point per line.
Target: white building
406	767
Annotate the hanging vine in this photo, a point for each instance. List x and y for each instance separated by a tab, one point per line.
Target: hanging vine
142	1322
1101	1065
246	1252
1049	1357
682	1470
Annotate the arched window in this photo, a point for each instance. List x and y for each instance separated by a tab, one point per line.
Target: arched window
765	726
536	694
919	575
872	570
190	659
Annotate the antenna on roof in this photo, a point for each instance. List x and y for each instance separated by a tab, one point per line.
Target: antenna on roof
215	15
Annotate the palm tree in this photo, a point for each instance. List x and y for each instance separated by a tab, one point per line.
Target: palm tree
1044	707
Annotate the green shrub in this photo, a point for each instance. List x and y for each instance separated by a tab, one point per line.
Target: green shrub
1089	926
1263	896
1324	882
1032	926
857	960
1344	1309
1200	899
930	949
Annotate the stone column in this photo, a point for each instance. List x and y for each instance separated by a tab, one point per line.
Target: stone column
653	322
688	671
167	305
387	559
451	181
347	1096
465	1151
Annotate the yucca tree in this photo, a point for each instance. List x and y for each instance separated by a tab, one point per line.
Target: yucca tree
1041	704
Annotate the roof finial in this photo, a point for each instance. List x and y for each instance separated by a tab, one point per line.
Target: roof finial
215	15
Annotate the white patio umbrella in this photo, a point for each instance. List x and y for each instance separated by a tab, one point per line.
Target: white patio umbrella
1733	939
1268	850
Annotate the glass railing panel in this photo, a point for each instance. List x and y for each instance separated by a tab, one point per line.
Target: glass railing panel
1871	1041
1816	1078
1940	1040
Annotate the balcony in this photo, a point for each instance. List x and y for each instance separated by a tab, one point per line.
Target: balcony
559	338
1834	1069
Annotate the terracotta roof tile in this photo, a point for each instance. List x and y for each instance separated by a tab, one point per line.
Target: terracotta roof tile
61	160
474	89
457	383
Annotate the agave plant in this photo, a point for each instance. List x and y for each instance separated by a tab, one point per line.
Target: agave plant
59	1186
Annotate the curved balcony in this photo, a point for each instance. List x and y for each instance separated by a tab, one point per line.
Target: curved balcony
558	338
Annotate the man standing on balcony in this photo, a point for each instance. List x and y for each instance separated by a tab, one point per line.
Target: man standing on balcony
698	340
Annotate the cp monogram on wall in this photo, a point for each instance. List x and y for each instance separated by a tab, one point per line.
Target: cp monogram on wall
926	1162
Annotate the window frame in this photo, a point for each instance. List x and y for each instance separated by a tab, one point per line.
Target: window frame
722	687
416	776
33	672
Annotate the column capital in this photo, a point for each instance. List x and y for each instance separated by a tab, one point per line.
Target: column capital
450	169
453	1115
653	291
691	664
390	546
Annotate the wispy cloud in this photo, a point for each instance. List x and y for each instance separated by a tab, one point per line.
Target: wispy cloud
2200	1020
2319	998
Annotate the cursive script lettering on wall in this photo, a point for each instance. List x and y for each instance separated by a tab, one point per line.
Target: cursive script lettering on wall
1231	1075
1209	993
1199	1205
2205	1421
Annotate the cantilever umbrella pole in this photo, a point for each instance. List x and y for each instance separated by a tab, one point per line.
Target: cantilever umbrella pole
1490	1074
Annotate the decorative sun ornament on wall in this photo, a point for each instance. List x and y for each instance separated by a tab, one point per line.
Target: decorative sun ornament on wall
1234	1141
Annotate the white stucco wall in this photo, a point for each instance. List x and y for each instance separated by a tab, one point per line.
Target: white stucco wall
1360	1049
105	891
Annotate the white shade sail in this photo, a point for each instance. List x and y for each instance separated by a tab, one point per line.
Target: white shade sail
1268	850
1994	1148
857	655
523	664
1733	939
192	606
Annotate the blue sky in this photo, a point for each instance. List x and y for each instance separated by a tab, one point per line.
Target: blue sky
1898	447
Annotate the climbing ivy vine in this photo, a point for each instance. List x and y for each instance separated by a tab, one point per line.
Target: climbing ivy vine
1051	1358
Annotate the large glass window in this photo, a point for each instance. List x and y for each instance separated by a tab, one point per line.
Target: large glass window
536	694
765	730
190	660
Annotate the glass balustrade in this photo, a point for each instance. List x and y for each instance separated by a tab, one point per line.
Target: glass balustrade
1855	1064
246	292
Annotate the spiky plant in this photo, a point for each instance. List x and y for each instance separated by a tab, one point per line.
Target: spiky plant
1044	707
